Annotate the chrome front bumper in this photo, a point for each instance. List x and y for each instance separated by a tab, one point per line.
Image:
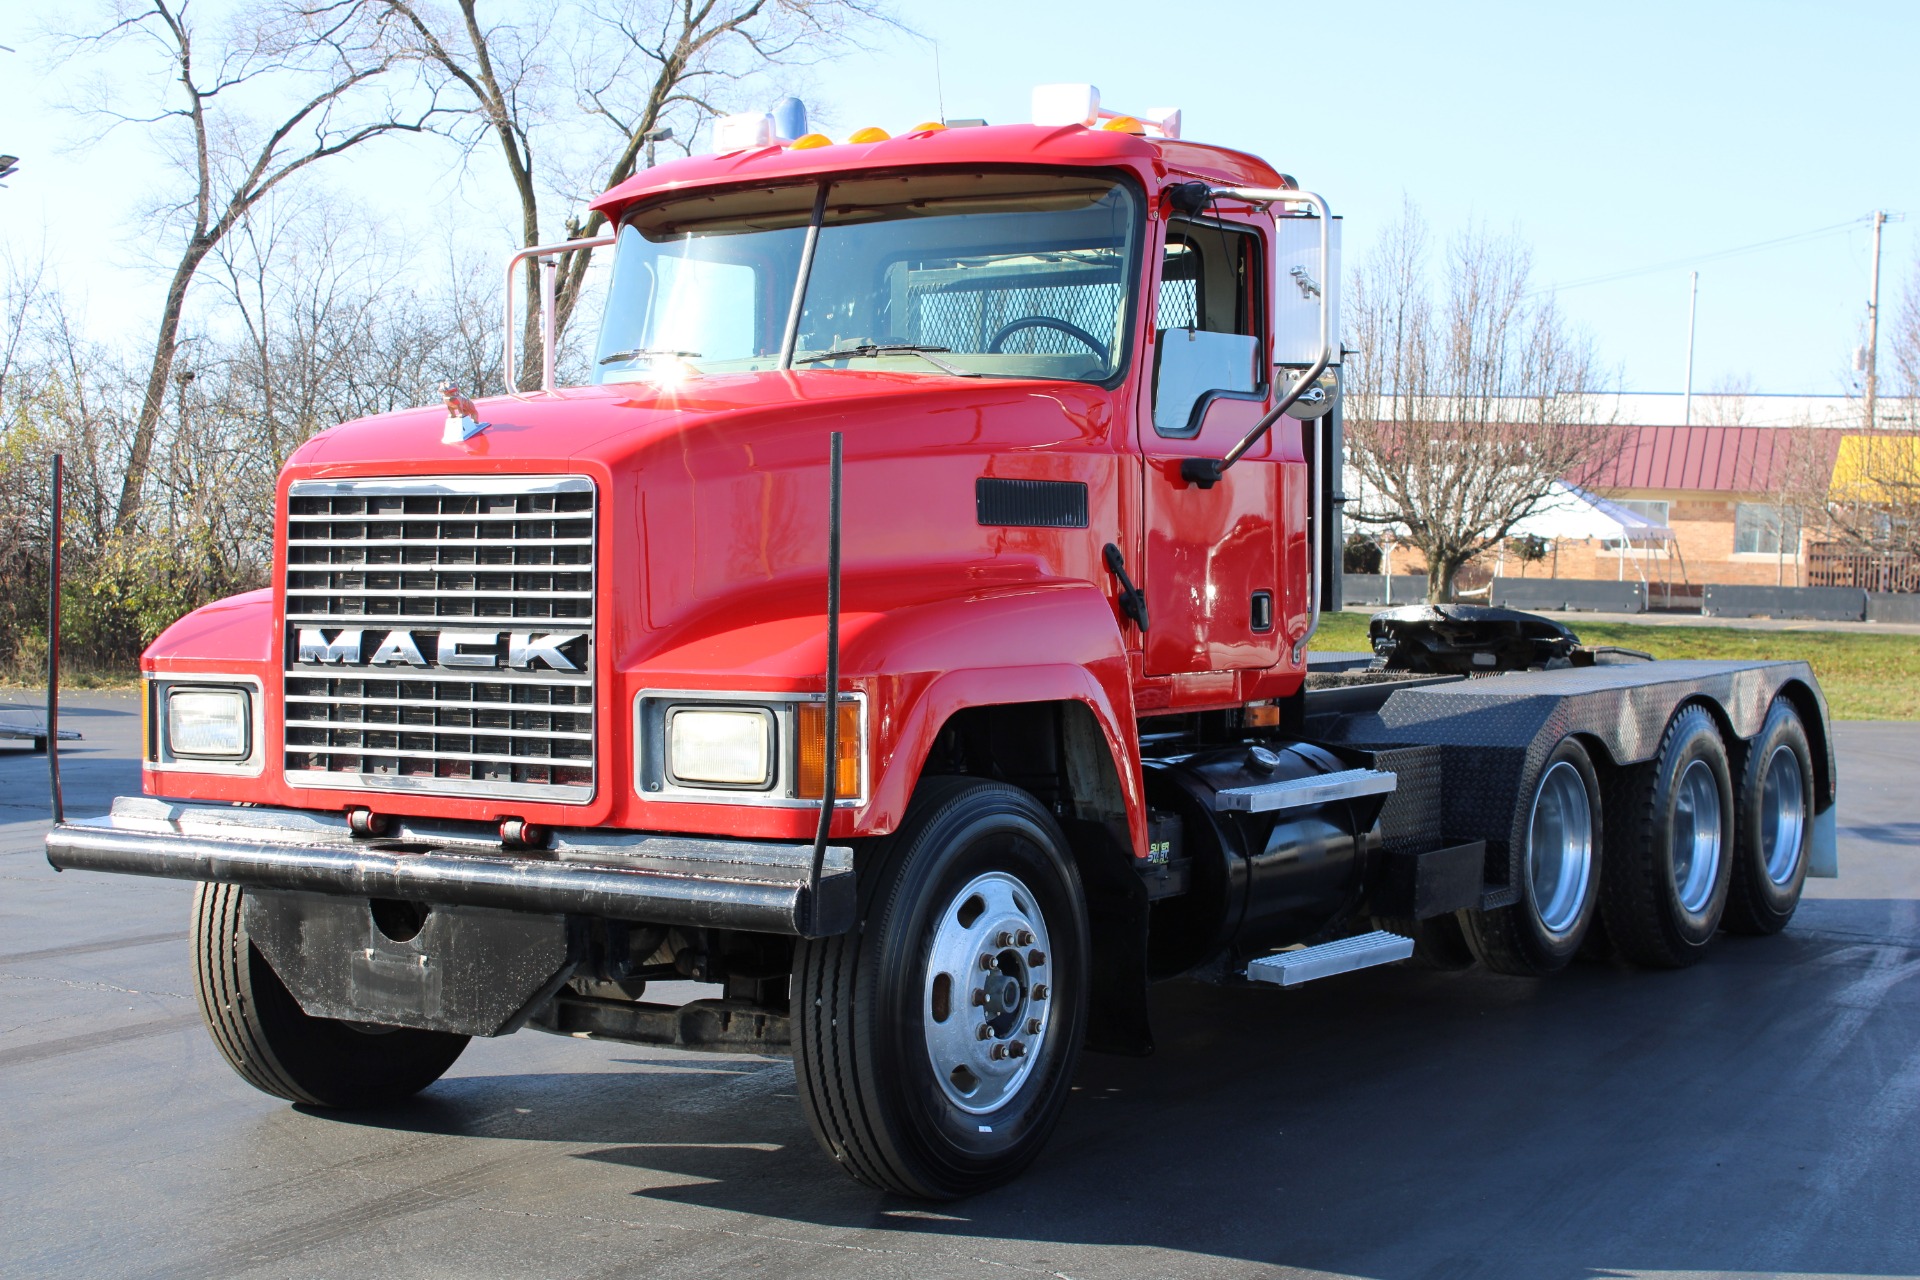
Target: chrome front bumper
688	881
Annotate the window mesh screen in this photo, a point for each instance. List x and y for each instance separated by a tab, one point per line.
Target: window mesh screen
966	319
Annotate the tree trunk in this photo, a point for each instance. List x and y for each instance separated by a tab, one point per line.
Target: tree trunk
165	346
1441	571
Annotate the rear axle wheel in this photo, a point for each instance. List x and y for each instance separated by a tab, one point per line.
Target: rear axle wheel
1669	868
1773	826
1559	873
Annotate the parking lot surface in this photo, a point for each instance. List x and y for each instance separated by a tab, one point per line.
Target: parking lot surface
1758	1115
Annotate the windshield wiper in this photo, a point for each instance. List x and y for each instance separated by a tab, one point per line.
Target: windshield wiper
870	350
621	357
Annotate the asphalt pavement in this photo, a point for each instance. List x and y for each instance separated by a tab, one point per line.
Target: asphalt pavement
1758	1115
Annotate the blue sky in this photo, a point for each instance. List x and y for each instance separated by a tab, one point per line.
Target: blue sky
1611	136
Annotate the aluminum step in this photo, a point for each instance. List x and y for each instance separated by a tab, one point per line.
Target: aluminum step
1299	793
1291	968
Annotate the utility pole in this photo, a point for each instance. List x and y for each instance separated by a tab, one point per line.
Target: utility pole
1693	306
1873	322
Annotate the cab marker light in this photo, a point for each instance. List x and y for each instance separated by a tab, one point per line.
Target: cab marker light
872	133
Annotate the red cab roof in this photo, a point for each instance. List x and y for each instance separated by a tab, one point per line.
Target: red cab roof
1154	160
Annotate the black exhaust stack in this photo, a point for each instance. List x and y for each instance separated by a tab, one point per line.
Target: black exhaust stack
53	645
831	764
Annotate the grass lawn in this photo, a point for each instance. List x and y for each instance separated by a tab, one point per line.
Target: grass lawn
1865	677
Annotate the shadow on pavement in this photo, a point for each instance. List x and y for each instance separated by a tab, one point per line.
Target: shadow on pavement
1397	1125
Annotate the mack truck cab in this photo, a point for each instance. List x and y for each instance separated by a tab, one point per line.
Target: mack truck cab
906	630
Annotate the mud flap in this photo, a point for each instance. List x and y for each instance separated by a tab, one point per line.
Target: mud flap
471	970
1823	860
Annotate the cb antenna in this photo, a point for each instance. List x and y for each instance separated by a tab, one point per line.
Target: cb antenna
939	89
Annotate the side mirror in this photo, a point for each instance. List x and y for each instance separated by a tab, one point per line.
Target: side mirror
1192	364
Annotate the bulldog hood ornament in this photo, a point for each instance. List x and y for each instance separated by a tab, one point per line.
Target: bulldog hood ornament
463	419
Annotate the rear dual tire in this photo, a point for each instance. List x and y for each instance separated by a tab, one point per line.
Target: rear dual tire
1560	870
1671	864
1773	834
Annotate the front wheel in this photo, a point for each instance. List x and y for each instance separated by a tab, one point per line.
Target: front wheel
276	1046
935	1042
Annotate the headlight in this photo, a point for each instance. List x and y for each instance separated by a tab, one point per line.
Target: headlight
207	723
720	747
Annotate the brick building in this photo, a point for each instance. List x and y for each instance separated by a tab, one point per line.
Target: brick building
1723	483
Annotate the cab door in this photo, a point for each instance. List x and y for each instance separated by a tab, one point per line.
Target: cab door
1211	564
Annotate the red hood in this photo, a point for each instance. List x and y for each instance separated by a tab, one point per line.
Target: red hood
611	424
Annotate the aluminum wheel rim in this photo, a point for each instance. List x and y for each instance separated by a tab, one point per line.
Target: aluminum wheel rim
1560	848
1696	836
1783	814
986	1005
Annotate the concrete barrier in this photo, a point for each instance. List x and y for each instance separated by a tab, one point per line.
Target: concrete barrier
1823	604
1581	595
1893	606
1370	588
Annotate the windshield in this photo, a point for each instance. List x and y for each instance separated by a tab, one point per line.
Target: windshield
1025	275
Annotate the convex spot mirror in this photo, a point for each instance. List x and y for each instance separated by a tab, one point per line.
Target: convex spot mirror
1318	399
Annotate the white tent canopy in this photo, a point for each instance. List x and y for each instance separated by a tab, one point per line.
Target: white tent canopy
1569	512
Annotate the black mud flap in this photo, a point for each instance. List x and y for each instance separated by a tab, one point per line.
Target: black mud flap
471	970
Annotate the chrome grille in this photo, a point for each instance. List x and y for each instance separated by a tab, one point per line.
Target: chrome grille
439	636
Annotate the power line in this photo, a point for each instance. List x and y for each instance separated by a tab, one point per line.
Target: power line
1796	238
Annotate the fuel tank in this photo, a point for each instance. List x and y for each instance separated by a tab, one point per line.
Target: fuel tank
1258	880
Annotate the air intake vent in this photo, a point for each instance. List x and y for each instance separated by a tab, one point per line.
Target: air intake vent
1031	504
440	636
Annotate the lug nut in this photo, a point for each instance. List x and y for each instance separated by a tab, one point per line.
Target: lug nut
1017	1049
979	996
1004	939
988	962
1025	938
1033	1026
1035	959
998	1051
1039	991
983	1032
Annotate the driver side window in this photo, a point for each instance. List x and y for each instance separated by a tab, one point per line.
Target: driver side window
1207	343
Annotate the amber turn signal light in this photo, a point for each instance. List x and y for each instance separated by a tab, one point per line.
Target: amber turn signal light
810	772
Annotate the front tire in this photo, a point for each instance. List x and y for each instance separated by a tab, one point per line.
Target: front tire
972	939
1773	826
1668	872
1560	871
275	1046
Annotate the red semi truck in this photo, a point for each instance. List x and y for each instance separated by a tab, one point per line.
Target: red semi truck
906	630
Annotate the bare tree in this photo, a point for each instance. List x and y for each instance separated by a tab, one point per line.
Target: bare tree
639	66
1462	415
315	66
1859	491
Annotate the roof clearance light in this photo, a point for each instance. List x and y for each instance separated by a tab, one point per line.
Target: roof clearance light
1164	119
1058	104
928	126
812	140
1064	104
742	132
872	133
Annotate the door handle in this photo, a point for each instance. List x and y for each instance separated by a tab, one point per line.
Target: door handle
1132	602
